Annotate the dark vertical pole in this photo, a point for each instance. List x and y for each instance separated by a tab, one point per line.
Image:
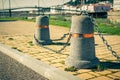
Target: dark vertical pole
81	3
38	8
3	7
10	15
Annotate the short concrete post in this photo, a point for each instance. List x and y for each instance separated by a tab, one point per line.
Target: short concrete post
42	34
82	48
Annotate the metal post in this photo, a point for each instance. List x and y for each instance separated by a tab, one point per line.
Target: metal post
42	35
3	7
10	13
38	8
82	48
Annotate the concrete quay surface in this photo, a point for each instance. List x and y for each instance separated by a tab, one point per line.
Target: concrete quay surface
19	35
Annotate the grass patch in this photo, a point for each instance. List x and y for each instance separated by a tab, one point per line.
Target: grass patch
62	62
7	18
60	23
72	69
99	68
109	29
14	47
17	49
105	25
30	43
10	39
15	19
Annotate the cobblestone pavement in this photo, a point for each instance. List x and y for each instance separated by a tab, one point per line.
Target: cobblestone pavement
19	35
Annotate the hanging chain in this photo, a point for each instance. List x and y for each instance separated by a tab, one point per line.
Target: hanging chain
105	41
64	36
56	51
66	44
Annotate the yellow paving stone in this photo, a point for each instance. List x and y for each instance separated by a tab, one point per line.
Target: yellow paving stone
57	65
101	49
110	57
55	55
105	72
101	78
62	68
115	70
104	56
49	58
83	70
67	52
58	60
41	57
47	62
73	73
113	77
85	76
63	56
45	56
117	74
94	73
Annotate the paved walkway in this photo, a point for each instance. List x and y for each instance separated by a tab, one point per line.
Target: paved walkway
19	35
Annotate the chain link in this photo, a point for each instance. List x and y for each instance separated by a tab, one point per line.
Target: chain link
106	43
56	51
64	36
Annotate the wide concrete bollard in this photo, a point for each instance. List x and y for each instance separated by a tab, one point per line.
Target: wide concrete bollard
82	48
42	34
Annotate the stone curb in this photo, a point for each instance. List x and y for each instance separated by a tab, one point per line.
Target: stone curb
37	66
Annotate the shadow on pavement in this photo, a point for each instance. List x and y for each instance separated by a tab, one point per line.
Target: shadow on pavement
106	65
111	65
59	43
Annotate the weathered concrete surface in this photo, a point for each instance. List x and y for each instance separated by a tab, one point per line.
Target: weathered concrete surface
15	65
82	50
42	33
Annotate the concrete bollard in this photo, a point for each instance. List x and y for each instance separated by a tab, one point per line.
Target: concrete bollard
42	34
82	48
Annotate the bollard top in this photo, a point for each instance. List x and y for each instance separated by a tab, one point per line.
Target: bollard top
81	24
42	21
